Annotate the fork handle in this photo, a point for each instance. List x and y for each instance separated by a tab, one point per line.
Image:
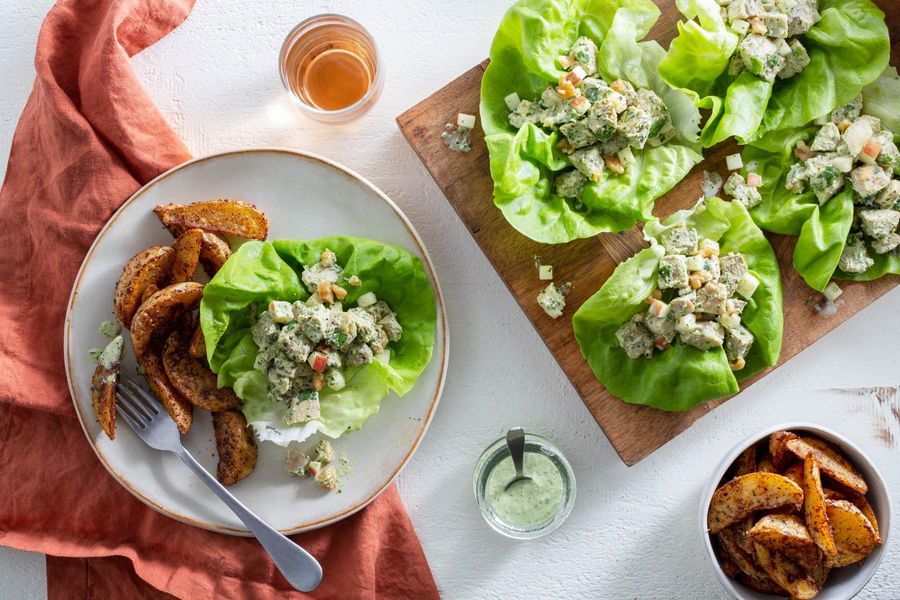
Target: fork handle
297	565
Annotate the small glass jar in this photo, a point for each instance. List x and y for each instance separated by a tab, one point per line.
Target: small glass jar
329	58
496	461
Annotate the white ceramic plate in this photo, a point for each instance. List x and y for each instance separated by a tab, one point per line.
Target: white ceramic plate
305	197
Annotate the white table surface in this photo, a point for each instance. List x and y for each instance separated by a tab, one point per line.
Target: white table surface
633	532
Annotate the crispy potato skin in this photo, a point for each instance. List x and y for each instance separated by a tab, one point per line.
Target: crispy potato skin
781	456
854	535
830	461
103	397
788	535
197	346
746	462
786	574
231	217
193	379
147	270
814	508
187	255
161	312
865	508
214	251
236	446
765	586
749	493
734	542
181	411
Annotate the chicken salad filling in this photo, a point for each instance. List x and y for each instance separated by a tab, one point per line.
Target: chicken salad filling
697	299
855	150
600	123
306	346
769	47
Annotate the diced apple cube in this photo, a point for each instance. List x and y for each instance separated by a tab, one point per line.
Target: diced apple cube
545	272
734	162
366	300
576	75
870	151
832	291
754	179
746	287
512	101
658	308
580	104
464	120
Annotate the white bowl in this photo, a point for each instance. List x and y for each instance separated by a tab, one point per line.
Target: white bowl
843	583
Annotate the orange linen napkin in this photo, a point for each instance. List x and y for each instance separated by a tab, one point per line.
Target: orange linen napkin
88	138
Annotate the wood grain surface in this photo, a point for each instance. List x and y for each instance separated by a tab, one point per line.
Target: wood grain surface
635	431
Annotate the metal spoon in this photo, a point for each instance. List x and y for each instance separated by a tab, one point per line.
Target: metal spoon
515	441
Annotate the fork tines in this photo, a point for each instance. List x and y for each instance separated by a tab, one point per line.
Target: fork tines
138	407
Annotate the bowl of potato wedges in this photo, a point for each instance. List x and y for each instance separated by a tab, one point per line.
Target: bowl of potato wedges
795	511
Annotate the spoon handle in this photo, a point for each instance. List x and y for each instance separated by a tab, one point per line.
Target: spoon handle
515	441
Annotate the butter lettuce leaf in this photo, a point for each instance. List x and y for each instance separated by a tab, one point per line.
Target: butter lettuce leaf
681	377
259	272
848	48
524	162
821	230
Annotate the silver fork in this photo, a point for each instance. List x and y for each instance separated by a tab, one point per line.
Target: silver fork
153	425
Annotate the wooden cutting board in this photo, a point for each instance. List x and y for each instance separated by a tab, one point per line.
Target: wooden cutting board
634	431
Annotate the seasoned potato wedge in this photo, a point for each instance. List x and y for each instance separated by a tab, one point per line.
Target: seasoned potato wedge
181	411
729	567
103	386
734	543
814	508
197	346
236	446
764	586
830	461
860	502
161	312
147	270
231	217
766	465
187	255
193	379
854	535
788	535
795	472
786	574
781	456
214	251
746	462
743	495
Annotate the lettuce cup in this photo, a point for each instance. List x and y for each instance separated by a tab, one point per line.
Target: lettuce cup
835	185
583	134
761	68
683	321
312	336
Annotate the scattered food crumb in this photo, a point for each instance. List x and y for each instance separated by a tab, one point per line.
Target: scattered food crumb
456	137
552	301
828	308
711	184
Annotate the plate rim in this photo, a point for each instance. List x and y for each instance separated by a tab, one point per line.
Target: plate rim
439	302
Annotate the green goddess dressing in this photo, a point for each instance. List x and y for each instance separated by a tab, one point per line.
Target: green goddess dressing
526	504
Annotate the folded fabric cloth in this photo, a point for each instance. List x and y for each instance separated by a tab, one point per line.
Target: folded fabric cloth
88	138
